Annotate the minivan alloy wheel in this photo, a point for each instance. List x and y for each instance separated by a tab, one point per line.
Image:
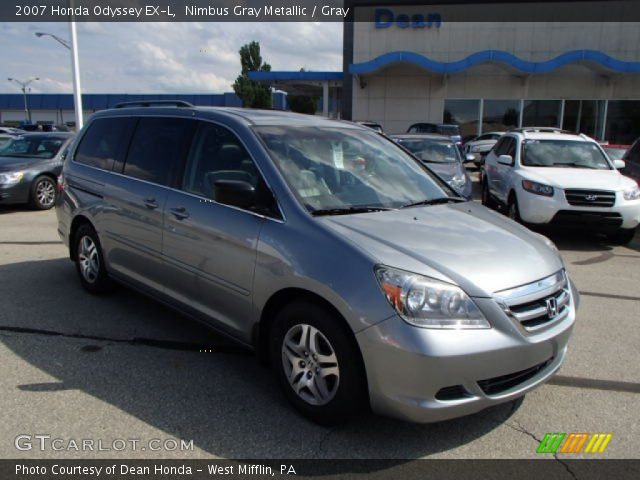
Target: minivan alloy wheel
310	364
88	259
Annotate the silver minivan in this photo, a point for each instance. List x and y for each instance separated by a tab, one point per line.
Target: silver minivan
344	262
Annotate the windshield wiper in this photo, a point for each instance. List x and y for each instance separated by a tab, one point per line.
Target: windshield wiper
434	201
348	210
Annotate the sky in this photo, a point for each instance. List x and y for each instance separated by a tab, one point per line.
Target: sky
160	57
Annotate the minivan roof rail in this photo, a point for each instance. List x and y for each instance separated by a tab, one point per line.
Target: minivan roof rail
154	103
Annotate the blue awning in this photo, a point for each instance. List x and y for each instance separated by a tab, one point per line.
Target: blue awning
486	56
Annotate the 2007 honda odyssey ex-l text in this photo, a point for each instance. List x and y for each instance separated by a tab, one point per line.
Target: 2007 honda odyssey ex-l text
359	275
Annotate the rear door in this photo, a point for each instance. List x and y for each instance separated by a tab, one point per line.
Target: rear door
210	248
137	195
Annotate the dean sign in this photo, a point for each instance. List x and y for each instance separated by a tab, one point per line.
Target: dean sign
385	18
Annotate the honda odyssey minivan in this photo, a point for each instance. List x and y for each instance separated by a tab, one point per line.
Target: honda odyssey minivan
343	261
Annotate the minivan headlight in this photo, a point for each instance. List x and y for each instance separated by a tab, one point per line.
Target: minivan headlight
11	178
632	193
537	188
426	302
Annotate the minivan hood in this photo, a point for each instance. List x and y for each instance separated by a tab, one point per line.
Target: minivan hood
446	171
579	178
465	243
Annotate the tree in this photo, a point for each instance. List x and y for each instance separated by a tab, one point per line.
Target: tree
253	94
302	104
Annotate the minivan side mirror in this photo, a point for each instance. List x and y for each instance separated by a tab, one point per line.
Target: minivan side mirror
619	164
505	160
236	193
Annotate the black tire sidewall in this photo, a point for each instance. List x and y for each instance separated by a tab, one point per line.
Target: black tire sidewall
103	283
513	203
350	398
35	203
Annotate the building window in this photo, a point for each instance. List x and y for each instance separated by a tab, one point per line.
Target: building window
584	116
541	113
464	113
500	115
623	121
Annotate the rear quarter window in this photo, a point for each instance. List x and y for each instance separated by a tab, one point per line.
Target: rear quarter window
103	142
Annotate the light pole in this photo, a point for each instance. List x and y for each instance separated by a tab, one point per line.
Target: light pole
24	86
61	41
75	68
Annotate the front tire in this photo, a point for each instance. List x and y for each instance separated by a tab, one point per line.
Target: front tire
487	199
513	212
317	364
43	193
90	261
623	236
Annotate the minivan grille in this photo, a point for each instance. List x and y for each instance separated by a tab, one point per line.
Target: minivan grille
538	313
496	385
538	304
590	198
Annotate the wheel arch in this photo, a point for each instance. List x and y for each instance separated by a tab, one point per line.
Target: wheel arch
281	299
77	222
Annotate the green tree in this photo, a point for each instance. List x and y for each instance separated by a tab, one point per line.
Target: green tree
302	104
253	94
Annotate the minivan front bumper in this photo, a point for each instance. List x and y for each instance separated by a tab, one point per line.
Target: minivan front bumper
429	375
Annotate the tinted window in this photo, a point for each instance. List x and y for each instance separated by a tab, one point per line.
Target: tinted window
102	142
157	148
500	147
511	147
633	154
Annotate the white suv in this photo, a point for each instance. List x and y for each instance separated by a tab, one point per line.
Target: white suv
548	176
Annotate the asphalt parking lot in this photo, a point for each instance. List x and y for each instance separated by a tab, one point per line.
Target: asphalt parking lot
75	366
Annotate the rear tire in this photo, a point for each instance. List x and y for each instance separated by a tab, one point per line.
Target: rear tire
90	261
43	193
317	364
623	236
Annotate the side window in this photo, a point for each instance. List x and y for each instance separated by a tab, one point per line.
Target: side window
633	155
413	129
103	142
510	149
158	147
499	147
217	154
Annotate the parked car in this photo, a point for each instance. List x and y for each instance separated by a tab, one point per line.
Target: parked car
452	131
11	131
325	247
373	125
548	177
29	167
615	151
480	146
632	161
442	157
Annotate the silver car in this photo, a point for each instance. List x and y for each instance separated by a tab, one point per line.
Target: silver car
360	276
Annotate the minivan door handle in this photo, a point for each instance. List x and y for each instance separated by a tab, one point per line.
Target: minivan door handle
179	212
150	203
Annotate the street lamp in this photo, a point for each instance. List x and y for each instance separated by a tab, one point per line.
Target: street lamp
24	86
61	41
75	68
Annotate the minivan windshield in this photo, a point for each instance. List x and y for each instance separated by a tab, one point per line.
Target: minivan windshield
340	170
436	151
32	146
564	153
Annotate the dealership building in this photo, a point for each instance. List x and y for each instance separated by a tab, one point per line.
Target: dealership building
407	63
